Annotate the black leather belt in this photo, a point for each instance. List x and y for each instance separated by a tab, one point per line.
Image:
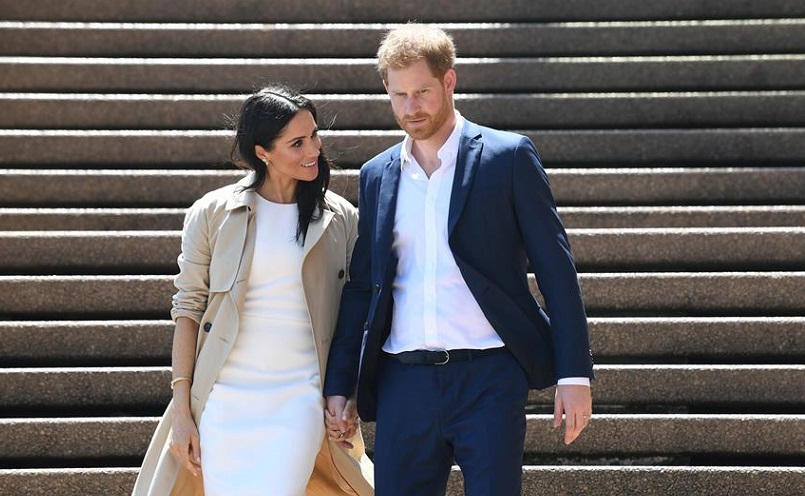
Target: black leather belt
441	357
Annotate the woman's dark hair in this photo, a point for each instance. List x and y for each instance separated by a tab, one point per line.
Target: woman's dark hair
263	117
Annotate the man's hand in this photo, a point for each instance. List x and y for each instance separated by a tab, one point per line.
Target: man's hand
341	420
576	403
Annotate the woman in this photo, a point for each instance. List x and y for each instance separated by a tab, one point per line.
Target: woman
262	266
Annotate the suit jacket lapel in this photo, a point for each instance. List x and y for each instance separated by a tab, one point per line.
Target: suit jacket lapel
386	209
469	156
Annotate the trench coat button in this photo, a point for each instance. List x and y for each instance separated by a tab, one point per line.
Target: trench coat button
341	274
207	326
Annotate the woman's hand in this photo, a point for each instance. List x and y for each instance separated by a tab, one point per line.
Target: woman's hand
184	442
341	420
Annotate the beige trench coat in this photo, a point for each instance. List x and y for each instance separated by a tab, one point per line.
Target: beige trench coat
217	249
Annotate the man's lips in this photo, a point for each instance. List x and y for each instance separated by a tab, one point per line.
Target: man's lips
415	119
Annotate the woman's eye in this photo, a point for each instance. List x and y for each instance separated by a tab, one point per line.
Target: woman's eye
297	144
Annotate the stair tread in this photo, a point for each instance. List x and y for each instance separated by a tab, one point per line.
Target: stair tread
769	435
116	342
624	294
372	112
740	36
638	73
602	480
423	10
595	250
167	218
655	147
119	388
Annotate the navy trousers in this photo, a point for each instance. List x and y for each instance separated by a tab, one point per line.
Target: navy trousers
471	412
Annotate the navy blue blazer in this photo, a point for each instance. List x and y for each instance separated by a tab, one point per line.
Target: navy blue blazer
502	221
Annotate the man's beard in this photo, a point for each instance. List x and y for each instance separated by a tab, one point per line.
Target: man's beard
432	126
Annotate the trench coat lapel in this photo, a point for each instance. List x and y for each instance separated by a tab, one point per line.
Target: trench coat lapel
240	232
316	229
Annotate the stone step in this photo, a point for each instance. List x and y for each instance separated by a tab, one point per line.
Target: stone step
61	440
670	339
92	342
127	219
639	147
373	11
679	249
319	75
120	389
605	294
603	480
765	36
350	112
571	186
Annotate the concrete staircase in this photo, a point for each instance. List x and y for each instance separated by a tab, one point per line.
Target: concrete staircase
674	136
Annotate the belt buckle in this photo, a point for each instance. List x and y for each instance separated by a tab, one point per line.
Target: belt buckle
446	358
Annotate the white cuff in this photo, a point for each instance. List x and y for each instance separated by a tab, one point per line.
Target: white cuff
574	381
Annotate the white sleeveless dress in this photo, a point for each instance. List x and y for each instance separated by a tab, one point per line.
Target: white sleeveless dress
262	425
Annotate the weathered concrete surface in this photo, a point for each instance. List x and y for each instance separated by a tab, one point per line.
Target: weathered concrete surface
361	40
350	149
610	435
155	252
572	186
423	10
121	388
352	75
703	339
679	293
110	342
372	112
127	219
578	481
86	342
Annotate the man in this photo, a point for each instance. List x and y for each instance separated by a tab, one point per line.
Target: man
438	333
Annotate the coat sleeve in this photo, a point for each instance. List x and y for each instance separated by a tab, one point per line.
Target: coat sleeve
345	350
193	279
550	258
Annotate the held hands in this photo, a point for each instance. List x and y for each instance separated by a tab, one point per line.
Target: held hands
341	420
184	442
577	404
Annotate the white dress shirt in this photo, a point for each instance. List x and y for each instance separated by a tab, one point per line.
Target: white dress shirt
433	306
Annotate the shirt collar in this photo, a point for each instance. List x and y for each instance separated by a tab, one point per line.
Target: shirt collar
447	153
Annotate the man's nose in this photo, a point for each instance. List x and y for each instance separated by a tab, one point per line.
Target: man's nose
411	105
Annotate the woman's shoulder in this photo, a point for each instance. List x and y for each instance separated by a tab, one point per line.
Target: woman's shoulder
338	204
218	198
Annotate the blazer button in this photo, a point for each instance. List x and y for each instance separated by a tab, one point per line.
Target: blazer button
207	326
341	274
377	288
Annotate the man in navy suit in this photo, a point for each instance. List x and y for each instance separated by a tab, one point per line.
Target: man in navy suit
438	334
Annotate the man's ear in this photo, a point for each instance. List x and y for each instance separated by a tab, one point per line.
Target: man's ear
449	80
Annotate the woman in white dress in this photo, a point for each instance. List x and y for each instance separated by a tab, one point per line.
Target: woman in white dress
247	414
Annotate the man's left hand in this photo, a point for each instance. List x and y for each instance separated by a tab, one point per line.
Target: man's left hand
576	403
